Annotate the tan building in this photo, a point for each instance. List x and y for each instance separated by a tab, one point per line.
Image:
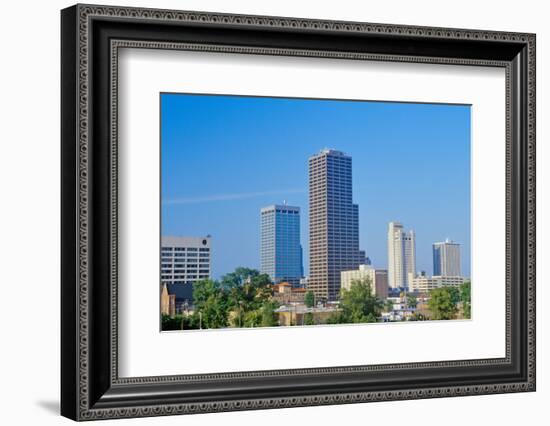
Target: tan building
296	315
423	283
284	293
167	302
377	277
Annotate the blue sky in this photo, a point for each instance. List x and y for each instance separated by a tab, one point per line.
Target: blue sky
225	157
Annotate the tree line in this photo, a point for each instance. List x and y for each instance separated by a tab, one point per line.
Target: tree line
244	298
447	302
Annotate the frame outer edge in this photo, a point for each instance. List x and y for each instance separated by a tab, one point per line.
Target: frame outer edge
83	13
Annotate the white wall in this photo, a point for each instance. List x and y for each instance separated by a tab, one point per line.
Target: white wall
29	218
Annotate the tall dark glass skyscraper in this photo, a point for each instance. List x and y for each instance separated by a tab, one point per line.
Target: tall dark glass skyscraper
333	223
281	251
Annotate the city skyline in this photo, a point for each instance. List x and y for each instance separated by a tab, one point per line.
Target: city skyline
199	193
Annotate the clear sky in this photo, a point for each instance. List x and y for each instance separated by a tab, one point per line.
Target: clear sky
225	157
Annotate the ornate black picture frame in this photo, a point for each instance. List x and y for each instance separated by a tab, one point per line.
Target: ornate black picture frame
91	388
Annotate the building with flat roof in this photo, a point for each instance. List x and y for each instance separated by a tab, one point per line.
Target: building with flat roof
333	223
423	283
377	277
446	258
185	260
280	248
401	255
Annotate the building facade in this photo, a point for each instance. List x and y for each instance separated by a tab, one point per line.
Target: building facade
377	277
185	260
423	283
401	255
333	223
285	293
446	258
280	248
167	302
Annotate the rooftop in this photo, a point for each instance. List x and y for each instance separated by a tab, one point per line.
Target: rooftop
331	152
281	207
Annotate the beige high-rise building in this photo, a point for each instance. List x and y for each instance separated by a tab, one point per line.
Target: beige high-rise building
377	277
401	255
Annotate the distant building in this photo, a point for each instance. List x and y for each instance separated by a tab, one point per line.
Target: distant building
446	258
284	293
296	314
423	283
363	259
333	223
377	277
401	255
185	260
167	302
183	296
280	248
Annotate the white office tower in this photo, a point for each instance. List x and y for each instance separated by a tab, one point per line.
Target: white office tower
401	255
185	259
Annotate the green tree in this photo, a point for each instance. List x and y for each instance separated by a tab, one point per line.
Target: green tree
370	318
358	304
178	322
238	277
211	304
308	319
214	313
268	316
309	299
455	294
388	305
260	280
203	290
336	318
466	298
417	317
441	304
170	323
411	301
253	318
243	298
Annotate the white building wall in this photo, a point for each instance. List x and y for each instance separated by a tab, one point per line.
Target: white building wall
378	278
185	259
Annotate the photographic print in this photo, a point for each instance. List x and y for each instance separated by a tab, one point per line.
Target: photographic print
283	212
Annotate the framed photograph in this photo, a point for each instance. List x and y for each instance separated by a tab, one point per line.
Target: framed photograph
263	212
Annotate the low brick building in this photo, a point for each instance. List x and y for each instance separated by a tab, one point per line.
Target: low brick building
284	293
